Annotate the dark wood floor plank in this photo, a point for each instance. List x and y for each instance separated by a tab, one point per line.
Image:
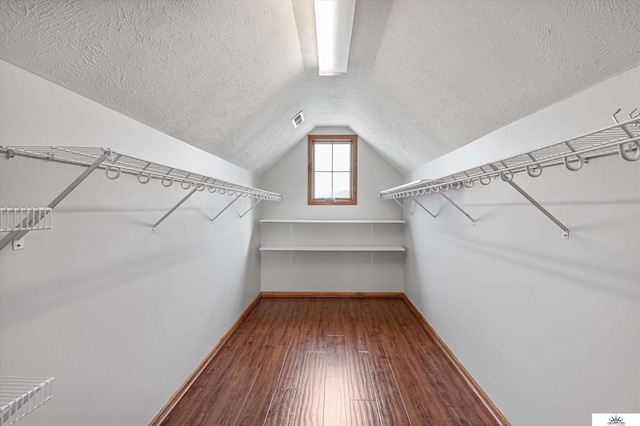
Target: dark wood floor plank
331	361
391	405
256	405
336	393
421	377
370	319
283	408
365	413
229	402
294	365
361	385
414	391
310	400
201	392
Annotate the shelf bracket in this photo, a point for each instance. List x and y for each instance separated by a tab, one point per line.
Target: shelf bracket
32	220
423	207
537	205
251	208
223	210
565	230
155	225
458	207
402	205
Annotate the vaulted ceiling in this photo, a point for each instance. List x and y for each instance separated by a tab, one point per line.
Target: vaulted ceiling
425	76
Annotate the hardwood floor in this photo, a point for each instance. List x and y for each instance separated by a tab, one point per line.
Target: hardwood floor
330	361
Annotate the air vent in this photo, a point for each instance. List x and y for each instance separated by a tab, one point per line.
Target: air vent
297	119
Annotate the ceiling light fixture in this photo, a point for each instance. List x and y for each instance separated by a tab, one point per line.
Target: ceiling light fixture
334	22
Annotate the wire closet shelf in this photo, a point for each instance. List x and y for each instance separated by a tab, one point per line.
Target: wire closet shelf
619	139
117	164
21	395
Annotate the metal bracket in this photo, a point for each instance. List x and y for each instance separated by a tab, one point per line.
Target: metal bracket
227	206
423	208
32	220
458	207
539	207
251	208
402	205
155	225
417	203
509	179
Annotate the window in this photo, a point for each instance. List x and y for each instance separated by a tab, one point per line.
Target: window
333	171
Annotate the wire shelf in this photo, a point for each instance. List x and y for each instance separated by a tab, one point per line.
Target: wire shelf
619	139
21	395
145	171
25	218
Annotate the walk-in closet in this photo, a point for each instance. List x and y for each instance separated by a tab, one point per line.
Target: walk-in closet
319	212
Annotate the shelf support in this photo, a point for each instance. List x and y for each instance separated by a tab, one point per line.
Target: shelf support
32	220
251	208
155	225
458	207
414	209
423	207
402	205
539	207
223	210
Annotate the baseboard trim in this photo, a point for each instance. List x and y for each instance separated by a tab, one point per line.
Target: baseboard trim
329	294
175	398
484	398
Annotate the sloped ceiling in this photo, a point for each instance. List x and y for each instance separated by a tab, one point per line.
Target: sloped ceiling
425	77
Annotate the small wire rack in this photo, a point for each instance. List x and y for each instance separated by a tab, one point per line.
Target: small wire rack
21	395
25	218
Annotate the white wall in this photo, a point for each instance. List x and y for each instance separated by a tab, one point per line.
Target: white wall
119	315
344	271
549	327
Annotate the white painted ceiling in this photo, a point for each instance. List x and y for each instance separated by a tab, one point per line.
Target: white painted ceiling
425	77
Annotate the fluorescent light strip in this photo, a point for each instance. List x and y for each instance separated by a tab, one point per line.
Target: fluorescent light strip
334	24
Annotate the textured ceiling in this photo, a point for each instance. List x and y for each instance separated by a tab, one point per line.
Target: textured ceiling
425	77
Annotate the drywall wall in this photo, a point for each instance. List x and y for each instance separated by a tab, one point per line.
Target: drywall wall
549	327
119	315
343	271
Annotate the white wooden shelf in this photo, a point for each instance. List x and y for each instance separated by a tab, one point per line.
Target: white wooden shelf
354	254
330	221
334	248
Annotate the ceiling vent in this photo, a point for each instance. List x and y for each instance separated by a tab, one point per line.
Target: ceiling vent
297	120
